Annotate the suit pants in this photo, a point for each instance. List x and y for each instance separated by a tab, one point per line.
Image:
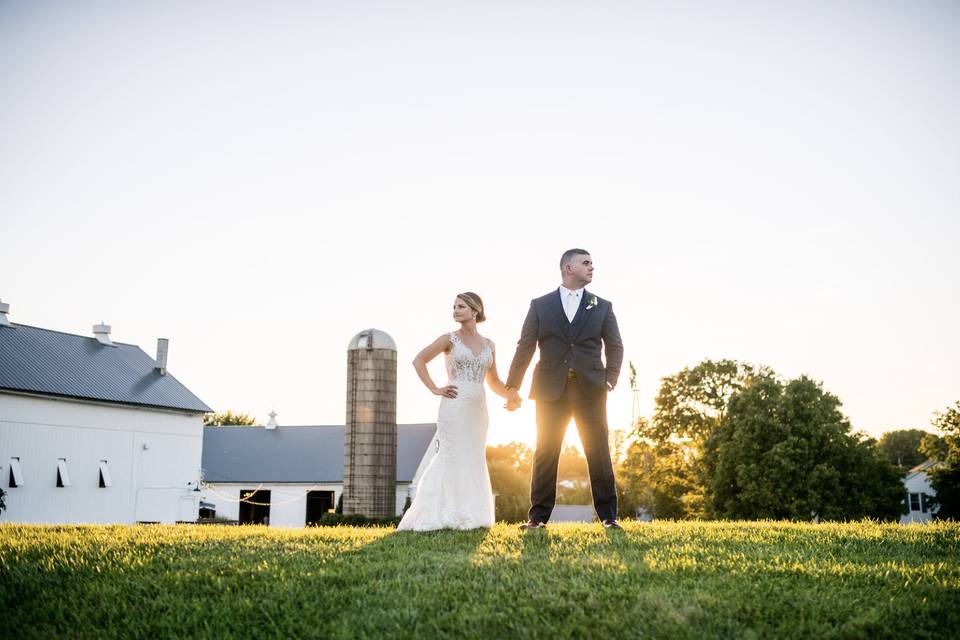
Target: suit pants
590	414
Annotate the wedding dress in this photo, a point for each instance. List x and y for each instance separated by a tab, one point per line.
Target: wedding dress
454	491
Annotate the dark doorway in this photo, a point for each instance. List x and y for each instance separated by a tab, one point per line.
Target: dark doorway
255	507
318	503
208	511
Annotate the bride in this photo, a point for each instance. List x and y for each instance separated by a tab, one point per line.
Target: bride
454	491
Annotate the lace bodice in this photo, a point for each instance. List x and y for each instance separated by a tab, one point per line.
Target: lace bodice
466	366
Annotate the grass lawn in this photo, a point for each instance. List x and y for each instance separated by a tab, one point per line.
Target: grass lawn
656	580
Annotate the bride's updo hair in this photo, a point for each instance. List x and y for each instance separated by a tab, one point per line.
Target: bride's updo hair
474	302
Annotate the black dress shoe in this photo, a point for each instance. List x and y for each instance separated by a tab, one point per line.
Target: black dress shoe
533	524
612	524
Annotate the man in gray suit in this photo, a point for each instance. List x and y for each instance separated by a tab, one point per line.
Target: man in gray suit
571	326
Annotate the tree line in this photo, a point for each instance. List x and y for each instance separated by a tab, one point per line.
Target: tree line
731	440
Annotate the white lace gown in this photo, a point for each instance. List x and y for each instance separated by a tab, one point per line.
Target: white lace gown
454	491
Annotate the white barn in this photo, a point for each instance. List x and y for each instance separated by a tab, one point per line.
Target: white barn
94	431
289	476
919	492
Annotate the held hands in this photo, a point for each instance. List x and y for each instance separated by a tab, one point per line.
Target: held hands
449	391
513	400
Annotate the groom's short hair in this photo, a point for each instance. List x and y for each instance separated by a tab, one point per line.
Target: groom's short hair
570	254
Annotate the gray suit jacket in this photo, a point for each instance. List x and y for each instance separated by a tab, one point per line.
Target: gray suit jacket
568	345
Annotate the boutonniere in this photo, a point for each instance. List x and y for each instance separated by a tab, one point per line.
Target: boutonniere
591	303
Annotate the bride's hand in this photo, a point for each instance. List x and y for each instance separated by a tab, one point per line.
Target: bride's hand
449	391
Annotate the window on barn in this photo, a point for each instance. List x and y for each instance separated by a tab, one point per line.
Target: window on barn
105	480
63	478
318	503
914	502
16	474
254	507
208	511
924	502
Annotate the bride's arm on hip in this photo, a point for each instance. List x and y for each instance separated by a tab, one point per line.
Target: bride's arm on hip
493	378
428	353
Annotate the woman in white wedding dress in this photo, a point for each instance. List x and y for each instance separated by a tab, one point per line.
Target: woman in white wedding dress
454	491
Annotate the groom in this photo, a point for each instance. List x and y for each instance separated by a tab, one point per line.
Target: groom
570	381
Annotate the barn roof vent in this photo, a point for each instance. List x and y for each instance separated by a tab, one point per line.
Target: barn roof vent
102	333
163	346
272	422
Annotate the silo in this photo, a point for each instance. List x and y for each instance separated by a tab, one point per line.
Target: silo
370	446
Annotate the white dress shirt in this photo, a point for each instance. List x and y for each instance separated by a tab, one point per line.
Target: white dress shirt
571	301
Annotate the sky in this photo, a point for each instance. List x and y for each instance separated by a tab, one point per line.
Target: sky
773	182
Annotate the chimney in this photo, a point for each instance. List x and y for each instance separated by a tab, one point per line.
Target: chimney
4	310
272	422
163	345
102	333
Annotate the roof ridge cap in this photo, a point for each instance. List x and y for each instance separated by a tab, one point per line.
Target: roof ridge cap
68	333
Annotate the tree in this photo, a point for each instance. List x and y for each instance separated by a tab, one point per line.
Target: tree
658	480
933	447
945	479
688	407
228	418
617	440
902	447
3	504
509	468
572	464
785	451
692	402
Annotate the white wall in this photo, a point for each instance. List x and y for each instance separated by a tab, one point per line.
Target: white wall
918	483
288	500
153	456
289	503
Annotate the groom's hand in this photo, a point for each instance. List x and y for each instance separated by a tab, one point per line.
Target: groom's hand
513	400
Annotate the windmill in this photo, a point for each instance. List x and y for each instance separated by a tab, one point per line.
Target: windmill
635	413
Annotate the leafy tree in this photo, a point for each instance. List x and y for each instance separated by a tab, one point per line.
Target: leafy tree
618	445
228	418
572	465
902	447
691	403
509	468
658	480
945	479
3	504
688	407
786	451
933	447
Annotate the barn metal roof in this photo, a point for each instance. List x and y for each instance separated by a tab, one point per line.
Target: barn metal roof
47	362
297	454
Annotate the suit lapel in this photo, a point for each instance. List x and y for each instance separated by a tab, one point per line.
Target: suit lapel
559	313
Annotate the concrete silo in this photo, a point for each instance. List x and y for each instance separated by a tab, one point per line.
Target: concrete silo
370	447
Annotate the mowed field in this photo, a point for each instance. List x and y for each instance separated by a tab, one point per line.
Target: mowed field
654	580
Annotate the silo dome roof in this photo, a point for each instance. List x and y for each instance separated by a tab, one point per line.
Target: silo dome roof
372	339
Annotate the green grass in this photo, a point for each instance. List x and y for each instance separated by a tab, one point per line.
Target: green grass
657	580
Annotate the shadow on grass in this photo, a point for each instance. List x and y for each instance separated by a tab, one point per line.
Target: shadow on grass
565	581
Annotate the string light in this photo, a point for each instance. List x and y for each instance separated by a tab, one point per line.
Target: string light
245	496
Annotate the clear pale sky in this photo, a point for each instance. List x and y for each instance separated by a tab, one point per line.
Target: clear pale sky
771	182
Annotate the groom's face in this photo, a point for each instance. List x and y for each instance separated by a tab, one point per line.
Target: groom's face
582	268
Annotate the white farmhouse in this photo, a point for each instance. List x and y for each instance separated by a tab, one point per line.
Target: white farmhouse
290	476
94	431
919	492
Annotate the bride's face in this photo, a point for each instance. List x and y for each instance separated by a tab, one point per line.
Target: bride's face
461	311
